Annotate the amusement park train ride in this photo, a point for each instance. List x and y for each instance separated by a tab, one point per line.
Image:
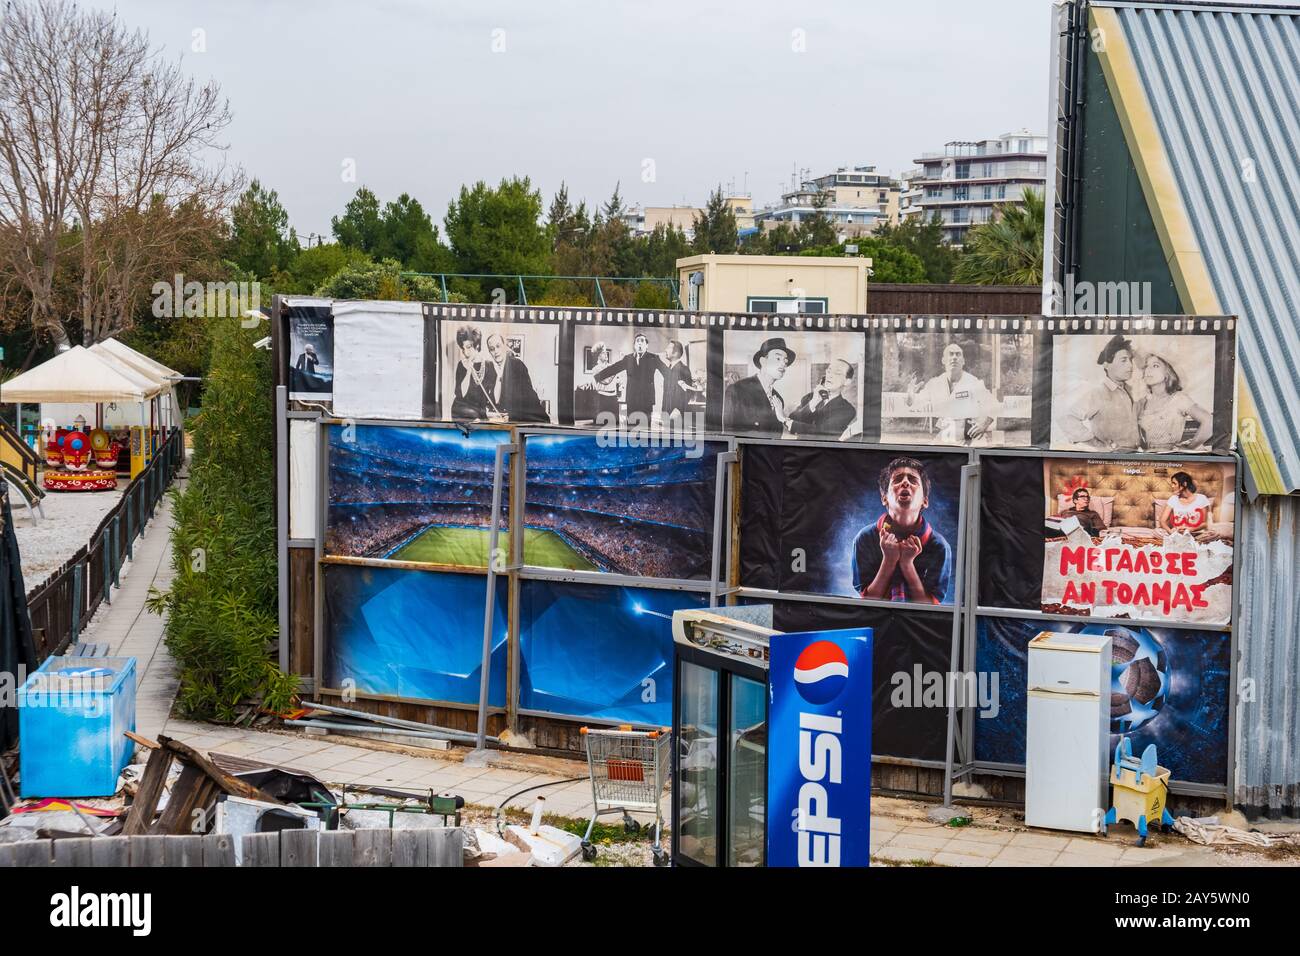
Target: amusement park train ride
80	459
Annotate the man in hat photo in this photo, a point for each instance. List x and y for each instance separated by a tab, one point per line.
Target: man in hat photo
752	406
1106	417
825	412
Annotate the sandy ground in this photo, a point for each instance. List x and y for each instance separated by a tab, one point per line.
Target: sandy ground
70	519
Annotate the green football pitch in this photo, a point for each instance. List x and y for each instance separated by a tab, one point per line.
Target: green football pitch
468	547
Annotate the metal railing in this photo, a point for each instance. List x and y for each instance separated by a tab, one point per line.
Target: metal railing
62	604
517	281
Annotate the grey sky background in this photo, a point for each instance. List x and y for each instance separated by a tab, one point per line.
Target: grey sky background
586	92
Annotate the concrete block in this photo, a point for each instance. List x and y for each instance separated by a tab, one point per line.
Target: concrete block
549	846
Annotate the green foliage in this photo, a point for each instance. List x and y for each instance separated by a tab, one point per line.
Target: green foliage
925	241
1008	250
221	607
359	227
261	241
715	227
380	280
316	265
653	295
890	262
498	232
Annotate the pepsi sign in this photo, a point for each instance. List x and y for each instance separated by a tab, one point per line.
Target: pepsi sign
819	749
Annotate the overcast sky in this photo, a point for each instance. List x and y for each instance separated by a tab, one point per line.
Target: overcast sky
667	97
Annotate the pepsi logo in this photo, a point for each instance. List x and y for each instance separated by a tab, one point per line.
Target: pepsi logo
821	672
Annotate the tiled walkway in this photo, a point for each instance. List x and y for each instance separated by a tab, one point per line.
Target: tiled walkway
897	837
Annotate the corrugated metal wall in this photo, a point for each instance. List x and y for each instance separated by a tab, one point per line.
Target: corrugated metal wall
1268	727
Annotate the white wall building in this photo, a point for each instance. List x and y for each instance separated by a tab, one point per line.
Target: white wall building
967	181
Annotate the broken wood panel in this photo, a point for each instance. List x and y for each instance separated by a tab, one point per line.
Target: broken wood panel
145	805
177	816
231	785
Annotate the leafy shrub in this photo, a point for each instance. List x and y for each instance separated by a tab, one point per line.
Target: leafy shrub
222	611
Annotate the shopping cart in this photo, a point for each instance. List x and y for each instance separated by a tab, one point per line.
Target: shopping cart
628	771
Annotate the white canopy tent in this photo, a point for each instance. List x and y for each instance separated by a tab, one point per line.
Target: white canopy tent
100	376
137	364
79	375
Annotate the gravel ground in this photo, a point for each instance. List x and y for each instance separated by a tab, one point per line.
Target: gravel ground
70	519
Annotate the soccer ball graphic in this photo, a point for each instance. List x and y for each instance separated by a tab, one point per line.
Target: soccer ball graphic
1139	678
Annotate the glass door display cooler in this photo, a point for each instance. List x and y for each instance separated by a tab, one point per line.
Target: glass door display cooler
720	698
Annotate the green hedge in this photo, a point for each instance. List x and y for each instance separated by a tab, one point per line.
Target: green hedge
222	618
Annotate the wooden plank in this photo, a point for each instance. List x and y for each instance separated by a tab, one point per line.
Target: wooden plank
336	848
184	796
218	849
447	847
142	740
373	847
411	847
34	853
298	847
110	851
183	850
148	851
145	805
261	849
72	852
231	785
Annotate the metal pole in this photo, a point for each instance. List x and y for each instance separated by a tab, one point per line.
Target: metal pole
282	519
720	483
599	294
963	517
485	669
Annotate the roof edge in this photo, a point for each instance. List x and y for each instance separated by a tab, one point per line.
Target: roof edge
1199	6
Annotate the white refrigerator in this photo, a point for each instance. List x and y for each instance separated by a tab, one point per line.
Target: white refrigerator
1067	736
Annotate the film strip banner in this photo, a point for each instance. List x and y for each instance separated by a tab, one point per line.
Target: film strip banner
1149	384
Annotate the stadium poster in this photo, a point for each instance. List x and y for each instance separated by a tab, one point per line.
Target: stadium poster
1169	687
413	494
417	635
793	379
851	522
910	653
957	381
640	375
499	365
595	505
311	350
1154	385
599	652
1142	540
